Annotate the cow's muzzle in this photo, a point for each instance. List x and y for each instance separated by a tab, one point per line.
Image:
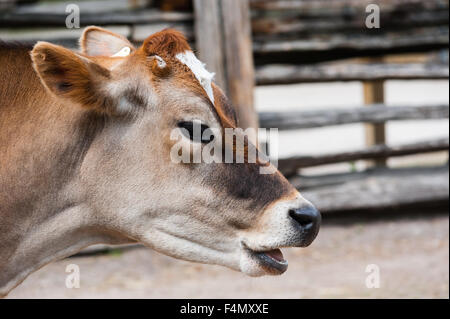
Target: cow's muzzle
289	223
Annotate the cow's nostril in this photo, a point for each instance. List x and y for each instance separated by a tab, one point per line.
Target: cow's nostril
307	220
306	217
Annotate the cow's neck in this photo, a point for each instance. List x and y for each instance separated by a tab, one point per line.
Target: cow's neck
43	215
47	241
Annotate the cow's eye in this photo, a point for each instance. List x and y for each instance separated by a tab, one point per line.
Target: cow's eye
196	131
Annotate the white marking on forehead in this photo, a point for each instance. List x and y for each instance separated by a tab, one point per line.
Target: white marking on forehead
198	68
125	51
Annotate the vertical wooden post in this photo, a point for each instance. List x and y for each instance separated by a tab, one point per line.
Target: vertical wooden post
239	59
375	133
209	38
223	33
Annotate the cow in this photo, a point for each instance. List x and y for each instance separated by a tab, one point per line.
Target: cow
85	143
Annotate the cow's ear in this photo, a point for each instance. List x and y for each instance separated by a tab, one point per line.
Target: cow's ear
72	76
96	41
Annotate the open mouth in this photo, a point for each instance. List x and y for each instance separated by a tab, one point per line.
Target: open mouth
272	260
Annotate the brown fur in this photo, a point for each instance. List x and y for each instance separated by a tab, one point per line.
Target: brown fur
168	42
70	76
42	144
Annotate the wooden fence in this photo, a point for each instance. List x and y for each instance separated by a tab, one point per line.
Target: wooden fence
307	41
272	42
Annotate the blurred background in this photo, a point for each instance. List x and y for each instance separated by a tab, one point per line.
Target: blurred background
362	113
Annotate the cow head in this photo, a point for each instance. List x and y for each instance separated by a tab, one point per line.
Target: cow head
148	100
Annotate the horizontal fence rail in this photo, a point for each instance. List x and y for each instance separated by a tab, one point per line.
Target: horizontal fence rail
378	189
429	38
290	165
288	27
112	18
291	74
337	46
369	114
346	6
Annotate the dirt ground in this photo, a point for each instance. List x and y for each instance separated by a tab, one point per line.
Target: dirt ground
412	256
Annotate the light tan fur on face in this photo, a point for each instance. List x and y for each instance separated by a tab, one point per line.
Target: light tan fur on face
85	141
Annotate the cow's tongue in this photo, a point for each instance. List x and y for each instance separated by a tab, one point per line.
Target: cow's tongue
275	254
